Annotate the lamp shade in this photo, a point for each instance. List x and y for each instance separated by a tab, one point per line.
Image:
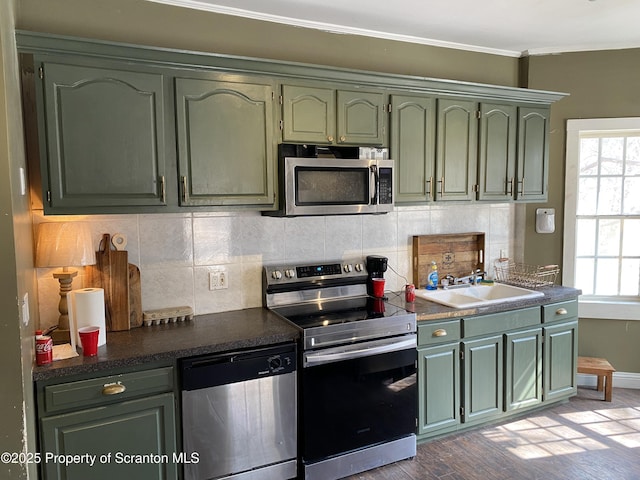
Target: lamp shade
64	245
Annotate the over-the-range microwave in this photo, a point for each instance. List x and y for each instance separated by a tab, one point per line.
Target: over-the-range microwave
333	180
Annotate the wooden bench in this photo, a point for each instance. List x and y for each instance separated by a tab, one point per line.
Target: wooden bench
602	369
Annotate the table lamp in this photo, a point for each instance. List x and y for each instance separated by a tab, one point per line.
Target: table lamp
64	244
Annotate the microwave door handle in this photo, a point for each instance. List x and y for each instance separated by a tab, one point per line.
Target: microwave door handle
373	185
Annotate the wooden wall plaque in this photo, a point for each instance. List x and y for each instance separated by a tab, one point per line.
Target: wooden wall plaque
456	254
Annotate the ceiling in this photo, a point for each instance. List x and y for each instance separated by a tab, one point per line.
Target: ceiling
503	27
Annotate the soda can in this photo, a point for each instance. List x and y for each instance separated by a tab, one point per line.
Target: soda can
410	293
44	349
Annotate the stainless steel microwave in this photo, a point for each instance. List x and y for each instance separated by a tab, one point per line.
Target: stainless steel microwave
320	180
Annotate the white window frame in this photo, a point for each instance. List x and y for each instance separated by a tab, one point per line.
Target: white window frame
590	306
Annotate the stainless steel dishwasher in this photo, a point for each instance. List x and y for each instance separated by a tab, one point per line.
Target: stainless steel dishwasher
239	414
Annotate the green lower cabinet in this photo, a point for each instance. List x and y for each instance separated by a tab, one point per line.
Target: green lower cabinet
131	439
523	369
560	360
438	388
483	381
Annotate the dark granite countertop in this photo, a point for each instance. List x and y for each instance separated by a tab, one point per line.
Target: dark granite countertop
428	311
209	333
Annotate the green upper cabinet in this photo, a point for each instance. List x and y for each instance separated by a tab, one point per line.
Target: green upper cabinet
413	128
308	114
533	154
456	150
497	152
226	145
332	117
105	137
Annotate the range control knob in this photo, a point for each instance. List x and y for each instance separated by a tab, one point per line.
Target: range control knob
348	268
276	274
359	267
275	363
290	273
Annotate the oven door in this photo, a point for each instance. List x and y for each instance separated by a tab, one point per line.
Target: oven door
351	402
328	186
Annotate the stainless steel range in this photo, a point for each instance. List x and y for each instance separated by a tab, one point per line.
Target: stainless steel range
357	387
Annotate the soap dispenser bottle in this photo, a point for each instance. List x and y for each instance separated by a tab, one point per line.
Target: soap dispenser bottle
432	279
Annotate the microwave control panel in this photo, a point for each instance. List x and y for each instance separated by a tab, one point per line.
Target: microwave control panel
385	186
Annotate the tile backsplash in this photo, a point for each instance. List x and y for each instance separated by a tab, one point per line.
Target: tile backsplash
176	252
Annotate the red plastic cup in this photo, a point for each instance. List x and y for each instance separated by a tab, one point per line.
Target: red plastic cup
89	339
378	287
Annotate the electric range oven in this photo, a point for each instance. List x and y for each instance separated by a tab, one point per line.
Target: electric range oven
357	384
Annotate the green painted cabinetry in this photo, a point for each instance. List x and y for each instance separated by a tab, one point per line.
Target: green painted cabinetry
325	115
413	130
533	154
483	378
225	140
114	423
560	331
105	136
497	152
523	369
483	368
493	152
438	377
456	150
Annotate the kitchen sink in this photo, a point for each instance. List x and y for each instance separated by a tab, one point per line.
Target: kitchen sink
478	295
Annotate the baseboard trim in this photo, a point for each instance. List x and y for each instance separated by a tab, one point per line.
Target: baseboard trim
620	380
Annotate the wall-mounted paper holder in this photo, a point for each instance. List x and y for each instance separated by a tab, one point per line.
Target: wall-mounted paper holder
545	220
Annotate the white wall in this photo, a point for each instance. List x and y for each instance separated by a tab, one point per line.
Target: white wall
175	252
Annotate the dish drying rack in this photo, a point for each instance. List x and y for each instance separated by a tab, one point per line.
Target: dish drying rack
523	275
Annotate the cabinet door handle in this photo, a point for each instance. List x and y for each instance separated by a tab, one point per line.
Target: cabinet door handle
184	189
330	138
441	182
441	332
510	186
113	389
561	311
429	183
163	191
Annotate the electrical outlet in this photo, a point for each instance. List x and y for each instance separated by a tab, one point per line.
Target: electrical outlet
218	279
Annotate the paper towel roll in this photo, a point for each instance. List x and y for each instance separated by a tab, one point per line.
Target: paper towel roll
87	308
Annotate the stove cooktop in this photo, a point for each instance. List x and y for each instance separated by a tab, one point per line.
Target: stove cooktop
330	313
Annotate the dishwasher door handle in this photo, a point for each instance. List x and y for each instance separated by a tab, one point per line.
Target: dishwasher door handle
366	349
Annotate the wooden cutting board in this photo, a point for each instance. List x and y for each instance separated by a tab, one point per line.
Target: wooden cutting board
135	297
111	273
456	254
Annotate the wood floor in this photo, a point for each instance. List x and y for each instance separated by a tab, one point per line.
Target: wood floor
583	439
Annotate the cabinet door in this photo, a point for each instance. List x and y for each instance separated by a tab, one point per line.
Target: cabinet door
114	434
560	360
497	161
456	150
533	154
483	380
308	114
225	142
105	137
523	369
438	387
361	118
413	147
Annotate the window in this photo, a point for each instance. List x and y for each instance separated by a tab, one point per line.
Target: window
602	216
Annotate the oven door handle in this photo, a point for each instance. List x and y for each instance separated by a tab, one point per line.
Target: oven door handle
359	350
